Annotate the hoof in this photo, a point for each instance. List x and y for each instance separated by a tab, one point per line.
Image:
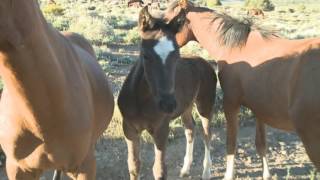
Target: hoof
184	174
267	177
206	175
228	178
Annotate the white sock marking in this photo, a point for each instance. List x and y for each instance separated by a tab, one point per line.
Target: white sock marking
163	48
206	174
188	158
230	167
266	173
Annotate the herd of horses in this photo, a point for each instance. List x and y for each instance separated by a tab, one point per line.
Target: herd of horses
57	102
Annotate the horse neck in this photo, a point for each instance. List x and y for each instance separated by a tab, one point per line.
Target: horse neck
137	80
206	33
204	30
133	90
30	70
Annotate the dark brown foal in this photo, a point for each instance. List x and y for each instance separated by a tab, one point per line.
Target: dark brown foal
161	87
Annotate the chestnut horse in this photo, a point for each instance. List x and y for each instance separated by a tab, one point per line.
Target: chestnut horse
275	77
255	12
161	87
56	100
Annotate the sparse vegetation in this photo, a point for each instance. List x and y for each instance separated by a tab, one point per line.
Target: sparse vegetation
53	9
213	3
132	36
111	28
266	5
97	30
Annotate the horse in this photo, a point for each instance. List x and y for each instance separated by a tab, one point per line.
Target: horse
135	3
255	12
160	87
56	100
271	75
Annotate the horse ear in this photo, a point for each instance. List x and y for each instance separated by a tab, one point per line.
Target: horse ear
183	4
146	21
178	22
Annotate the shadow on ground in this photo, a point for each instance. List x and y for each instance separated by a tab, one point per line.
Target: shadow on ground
286	156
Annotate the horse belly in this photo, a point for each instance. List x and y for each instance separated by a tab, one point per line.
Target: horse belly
273	113
283	123
31	153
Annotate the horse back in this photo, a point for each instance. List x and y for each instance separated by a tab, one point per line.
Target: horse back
80	41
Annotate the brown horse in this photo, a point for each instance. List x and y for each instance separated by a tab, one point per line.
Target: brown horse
161	87
56	100
255	12
275	77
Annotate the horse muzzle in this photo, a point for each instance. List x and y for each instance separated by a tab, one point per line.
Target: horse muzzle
167	103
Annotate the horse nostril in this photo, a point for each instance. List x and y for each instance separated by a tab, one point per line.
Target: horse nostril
167	104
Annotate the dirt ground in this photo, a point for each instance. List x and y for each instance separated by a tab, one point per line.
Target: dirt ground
287	158
286	155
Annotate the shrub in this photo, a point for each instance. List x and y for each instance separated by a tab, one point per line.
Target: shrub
212	3
53	9
97	30
60	23
301	7
265	5
132	36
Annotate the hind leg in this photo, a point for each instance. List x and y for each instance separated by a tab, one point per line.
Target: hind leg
262	148
311	143
16	173
87	170
57	175
231	113
308	131
306	121
133	143
160	137
189	123
205	107
207	163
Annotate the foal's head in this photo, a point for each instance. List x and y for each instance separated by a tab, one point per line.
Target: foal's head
159	54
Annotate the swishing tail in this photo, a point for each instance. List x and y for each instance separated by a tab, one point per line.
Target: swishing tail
213	64
57	175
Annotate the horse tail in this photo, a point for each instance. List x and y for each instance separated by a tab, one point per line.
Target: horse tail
57	175
213	64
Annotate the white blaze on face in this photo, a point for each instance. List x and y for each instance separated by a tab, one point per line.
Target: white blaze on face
163	48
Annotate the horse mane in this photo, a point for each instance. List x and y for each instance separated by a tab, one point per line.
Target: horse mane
234	32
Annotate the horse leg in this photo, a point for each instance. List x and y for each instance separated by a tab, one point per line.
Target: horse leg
16	173
310	139
160	137
262	148
308	131
206	117
87	170
231	114
189	123
133	143
57	175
